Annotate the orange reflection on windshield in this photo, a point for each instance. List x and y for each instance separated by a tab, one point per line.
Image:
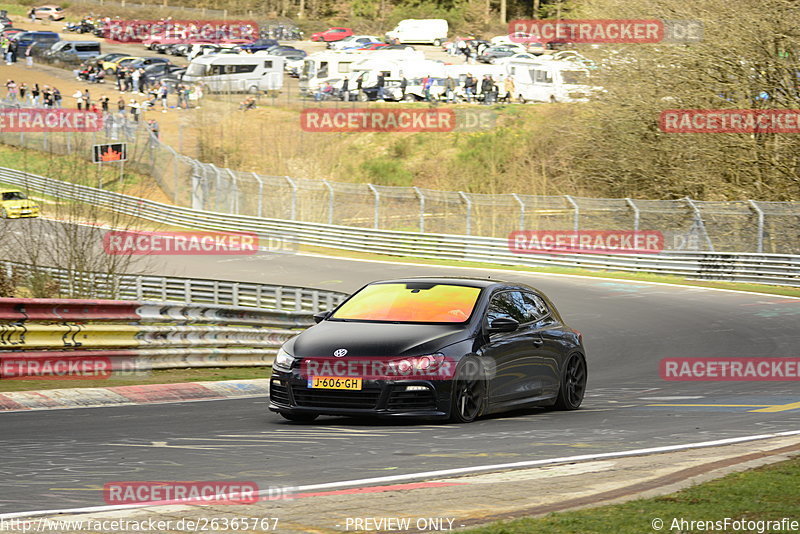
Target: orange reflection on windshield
395	302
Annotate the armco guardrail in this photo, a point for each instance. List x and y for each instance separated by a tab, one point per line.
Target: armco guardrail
183	290
143	335
758	268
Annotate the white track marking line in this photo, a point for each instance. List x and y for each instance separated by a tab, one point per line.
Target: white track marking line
443	472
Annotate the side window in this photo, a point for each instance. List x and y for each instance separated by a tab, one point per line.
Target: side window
535	307
268	64
323	70
508	304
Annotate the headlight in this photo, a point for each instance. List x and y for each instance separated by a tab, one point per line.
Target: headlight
283	359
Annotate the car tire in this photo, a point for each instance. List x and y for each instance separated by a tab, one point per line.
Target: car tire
521	99
573	383
553	99
469	392
253	90
362	96
299	417
409	98
437	42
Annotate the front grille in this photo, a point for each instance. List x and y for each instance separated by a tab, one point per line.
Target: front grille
278	393
336	398
412	400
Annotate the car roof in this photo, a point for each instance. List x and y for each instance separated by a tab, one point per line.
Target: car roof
449	280
9	190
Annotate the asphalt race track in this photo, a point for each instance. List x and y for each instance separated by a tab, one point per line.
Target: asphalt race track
61	458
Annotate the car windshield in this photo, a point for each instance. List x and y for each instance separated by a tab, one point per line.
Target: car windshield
14	195
410	302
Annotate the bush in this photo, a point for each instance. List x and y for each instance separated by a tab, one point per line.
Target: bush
385	171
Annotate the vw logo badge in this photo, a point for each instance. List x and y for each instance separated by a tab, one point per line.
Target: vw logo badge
339	352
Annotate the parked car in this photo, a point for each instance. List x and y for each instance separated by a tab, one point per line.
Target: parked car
48	12
15	204
74	50
353	41
430	31
514	38
42	40
374	46
332	34
397	47
144	62
499	51
258	45
156	71
289	54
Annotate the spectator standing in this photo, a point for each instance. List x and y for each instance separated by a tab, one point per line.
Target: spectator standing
486	89
163	92
104	103
121	105
29	56
135	77
427	83
36	94
47	97
23	91
135	110
11	88
403	85
380	84
56	95
470	84
346	89
32	15
509	88
450	89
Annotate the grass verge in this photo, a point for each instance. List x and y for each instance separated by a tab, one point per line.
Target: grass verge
160	376
765	494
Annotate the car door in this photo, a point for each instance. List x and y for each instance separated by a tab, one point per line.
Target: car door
514	356
548	358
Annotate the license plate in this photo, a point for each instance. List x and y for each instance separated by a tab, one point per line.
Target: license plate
334	382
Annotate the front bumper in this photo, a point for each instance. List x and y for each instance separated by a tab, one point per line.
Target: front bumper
289	393
19	214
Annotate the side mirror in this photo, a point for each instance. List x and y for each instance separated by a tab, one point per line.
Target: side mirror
503	324
321	316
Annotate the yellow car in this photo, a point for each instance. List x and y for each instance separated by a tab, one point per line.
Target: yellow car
15	204
111	66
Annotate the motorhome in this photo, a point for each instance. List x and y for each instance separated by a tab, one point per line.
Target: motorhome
321	67
425	31
542	80
237	73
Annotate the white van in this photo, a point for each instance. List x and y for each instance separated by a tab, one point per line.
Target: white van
244	73
549	81
321	67
425	31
